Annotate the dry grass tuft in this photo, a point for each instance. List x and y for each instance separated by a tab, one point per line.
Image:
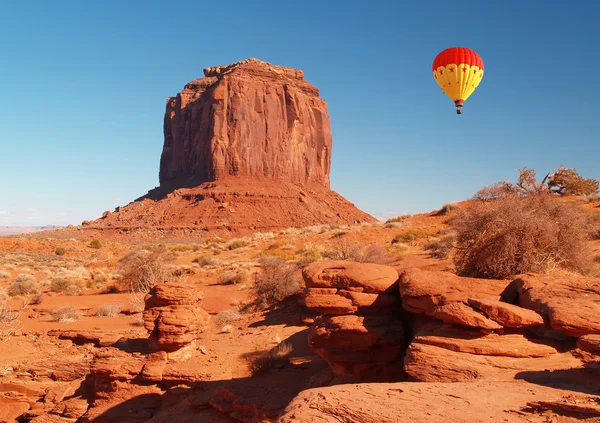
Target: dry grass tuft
233	278
66	314
109	310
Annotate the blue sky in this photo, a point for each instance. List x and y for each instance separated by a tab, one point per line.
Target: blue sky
84	86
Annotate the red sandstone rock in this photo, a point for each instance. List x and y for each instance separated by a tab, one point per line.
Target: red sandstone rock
423	290
405	402
250	118
169	293
369	278
173	317
508	315
357	345
474	342
334	301
571	303
461	314
428	363
589	343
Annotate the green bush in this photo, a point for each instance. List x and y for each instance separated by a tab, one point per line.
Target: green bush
95	243
60	251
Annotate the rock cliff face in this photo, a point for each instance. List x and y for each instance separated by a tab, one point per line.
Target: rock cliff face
250	118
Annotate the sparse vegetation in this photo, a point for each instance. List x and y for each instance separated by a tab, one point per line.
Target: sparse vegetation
277	281
227	316
441	247
410	235
233	278
277	357
515	234
60	251
400	218
109	310
237	243
66	314
95	243
23	284
4	274
9	321
561	182
144	268
206	261
347	249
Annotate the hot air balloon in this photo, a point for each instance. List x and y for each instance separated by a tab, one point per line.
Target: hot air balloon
458	71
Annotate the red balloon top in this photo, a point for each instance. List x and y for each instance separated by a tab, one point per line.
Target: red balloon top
457	55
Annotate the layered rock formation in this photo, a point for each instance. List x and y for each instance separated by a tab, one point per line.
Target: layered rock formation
250	118
247	148
173	316
360	332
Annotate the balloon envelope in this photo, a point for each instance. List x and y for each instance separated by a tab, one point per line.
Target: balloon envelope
458	71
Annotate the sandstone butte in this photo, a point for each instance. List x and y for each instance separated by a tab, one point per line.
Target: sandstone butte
246	148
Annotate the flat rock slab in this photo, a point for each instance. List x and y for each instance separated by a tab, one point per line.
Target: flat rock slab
473	342
428	363
407	402
571	303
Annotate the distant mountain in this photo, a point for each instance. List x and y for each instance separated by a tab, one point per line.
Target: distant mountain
17	230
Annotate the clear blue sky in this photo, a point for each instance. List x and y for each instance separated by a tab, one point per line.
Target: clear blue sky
84	85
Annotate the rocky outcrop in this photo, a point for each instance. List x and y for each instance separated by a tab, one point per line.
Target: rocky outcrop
570	303
360	331
490	402
250	118
173	317
478	303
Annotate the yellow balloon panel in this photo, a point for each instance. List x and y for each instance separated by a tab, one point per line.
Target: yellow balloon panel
458	81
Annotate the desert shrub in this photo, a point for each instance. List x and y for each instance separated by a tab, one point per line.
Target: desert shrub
233	278
441	247
206	261
4	274
237	243
142	269
227	316
109	310
410	235
447	209
594	224
98	276
284	255
312	250
276	281
60	284
9	321
23	285
276	358
514	234
353	251
400	218
95	243
66	314
111	289
60	251
38	299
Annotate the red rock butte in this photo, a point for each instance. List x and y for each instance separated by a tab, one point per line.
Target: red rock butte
246	148
250	118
